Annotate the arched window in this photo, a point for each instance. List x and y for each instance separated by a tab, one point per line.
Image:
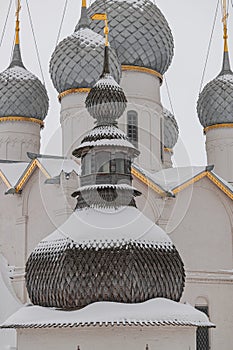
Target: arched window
132	127
203	342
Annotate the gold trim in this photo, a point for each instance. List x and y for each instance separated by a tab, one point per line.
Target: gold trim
147	182
190	182
220	185
29	171
32	166
218	126
143	70
73	91
4	179
44	171
24	119
170	150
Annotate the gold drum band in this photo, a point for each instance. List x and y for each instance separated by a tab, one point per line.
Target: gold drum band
218	126
142	70
22	119
73	91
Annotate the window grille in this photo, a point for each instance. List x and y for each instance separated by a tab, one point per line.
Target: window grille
203	333
132	127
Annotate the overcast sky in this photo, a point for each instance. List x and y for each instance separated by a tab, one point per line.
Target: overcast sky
191	22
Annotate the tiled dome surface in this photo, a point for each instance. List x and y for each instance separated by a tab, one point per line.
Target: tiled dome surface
171	129
138	31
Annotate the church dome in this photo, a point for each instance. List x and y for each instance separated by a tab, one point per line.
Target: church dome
215	103
171	129
138	31
77	61
115	255
21	92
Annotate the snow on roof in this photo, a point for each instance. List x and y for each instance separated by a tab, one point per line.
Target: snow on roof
155	312
171	178
54	167
110	225
13	171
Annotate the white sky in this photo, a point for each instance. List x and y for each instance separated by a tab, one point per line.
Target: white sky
191	22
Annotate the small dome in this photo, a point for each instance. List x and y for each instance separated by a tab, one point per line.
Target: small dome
138	31
106	101
215	103
115	255
171	129
22	93
77	61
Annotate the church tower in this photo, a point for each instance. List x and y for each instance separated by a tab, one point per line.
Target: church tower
23	106
215	112
144	43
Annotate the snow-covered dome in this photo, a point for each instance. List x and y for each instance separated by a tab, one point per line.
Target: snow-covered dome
77	61
171	129
215	103
138	31
21	92
113	255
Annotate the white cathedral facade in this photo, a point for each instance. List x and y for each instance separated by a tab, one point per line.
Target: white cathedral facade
117	247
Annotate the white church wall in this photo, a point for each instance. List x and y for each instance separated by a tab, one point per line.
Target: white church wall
114	338
219	148
17	138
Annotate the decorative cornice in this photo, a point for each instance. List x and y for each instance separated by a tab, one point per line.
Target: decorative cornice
142	70
73	91
22	119
190	182
218	126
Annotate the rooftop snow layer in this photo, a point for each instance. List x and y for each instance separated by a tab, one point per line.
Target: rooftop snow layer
155	312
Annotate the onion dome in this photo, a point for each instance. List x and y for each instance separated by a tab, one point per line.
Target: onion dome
138	31
21	93
171	129
115	255
78	60
215	103
107	250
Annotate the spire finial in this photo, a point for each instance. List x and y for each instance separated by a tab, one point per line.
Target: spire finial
84	3
225	29
103	17
17	28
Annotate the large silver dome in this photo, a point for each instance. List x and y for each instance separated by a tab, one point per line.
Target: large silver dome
171	129
77	61
215	103
22	93
138	31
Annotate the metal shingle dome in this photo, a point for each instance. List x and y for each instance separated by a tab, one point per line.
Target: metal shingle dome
215	103
115	255
171	129
21	92
77	61
138	31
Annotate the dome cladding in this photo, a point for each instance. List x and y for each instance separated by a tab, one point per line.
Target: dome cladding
21	92
77	61
106	101
97	256
215	103
138	31
171	129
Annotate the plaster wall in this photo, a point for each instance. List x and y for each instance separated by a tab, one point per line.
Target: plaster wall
114	338
17	138
219	148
